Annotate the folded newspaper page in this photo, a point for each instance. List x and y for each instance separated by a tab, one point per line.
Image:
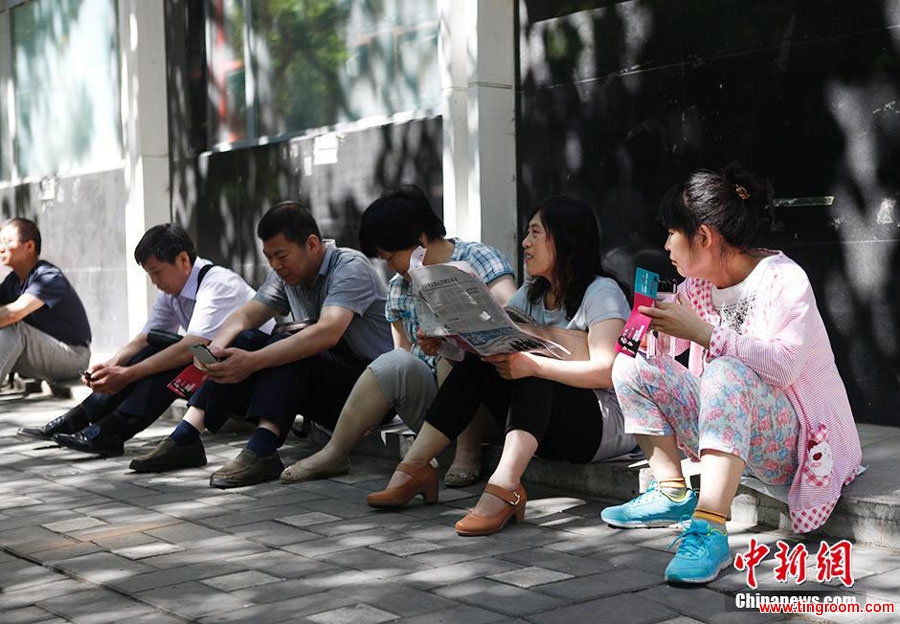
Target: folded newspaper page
453	303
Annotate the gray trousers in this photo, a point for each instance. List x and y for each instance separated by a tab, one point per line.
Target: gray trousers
408	384
33	353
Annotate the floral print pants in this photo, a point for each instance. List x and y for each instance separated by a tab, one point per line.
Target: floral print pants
728	409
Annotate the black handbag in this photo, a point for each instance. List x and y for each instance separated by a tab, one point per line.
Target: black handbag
160	339
292	327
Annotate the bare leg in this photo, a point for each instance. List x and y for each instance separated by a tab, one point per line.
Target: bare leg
426	446
268	424
720	474
468	446
518	449
663	454
365	408
194	416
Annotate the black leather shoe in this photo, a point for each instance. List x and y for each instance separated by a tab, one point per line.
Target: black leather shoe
91	440
247	469
170	456
72	421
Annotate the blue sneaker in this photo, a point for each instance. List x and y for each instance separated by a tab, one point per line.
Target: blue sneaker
653	508
702	554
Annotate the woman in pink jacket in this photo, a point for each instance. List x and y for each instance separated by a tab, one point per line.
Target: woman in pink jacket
761	392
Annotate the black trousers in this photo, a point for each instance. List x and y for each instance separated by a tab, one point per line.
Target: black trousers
136	406
566	421
315	387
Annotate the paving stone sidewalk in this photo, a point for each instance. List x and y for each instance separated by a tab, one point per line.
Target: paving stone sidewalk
85	540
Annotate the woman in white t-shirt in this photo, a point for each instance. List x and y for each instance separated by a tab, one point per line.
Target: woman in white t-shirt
556	409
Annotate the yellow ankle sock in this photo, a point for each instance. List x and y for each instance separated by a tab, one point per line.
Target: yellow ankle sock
676	489
713	517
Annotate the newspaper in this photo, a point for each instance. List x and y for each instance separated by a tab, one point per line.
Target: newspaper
453	303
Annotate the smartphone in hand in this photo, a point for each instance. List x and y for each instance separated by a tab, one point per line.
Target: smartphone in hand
203	354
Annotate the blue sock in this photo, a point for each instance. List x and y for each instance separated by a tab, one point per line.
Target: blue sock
263	442
185	434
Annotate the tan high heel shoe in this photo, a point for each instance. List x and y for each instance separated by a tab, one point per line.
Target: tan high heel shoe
424	481
473	526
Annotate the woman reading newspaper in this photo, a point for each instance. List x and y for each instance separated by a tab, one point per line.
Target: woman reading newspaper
392	228
559	409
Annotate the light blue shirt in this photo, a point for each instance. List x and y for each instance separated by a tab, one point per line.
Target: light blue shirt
201	312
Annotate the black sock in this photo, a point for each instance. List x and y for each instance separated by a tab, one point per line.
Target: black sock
112	425
77	417
185	434
263	442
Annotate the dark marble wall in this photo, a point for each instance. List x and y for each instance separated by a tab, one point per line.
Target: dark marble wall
82	223
619	100
234	188
219	196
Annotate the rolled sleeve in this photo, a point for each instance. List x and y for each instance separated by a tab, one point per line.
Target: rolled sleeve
398	300
272	294
49	287
352	288
489	263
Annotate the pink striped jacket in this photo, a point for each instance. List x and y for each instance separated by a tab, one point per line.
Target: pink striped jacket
783	339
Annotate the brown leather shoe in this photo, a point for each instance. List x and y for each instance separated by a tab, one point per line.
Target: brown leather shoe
473	526
247	469
424	481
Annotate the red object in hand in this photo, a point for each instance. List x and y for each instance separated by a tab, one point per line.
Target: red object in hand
187	382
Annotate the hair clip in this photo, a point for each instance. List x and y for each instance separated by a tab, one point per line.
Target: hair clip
741	191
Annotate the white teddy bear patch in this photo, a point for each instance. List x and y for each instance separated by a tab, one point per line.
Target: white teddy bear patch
819	459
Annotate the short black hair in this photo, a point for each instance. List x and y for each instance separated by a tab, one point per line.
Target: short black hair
290	218
165	241
397	219
28	231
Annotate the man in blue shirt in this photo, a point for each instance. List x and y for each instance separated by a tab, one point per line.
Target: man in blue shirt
274	378
44	331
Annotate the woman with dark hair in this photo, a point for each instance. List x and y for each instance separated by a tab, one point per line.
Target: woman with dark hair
761	392
557	409
392	228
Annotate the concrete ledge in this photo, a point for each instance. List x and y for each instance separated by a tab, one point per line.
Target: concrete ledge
868	512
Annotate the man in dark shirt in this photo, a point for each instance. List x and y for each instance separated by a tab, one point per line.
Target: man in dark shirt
44	331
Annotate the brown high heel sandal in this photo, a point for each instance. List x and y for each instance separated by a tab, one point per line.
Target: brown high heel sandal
424	481
473	526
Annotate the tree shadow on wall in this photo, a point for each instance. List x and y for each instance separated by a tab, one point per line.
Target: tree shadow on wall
220	196
618	101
